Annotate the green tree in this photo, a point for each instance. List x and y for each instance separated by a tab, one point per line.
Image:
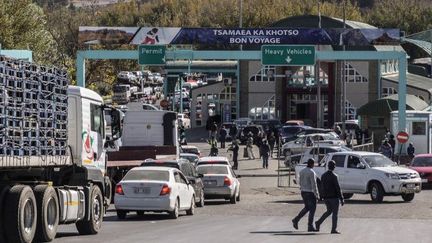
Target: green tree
23	26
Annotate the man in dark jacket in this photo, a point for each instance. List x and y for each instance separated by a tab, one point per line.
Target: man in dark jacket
235	149
265	153
331	193
222	136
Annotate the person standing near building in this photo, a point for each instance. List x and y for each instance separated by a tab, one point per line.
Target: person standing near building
392	143
235	149
386	149
411	150
332	195
265	153
309	193
214	129
222	136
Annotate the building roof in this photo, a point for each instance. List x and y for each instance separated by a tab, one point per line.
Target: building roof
384	106
414	81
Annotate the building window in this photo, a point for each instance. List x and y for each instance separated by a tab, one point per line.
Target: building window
419	128
387	91
352	75
265	74
305	76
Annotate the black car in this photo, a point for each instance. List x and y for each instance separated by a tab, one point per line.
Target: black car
188	170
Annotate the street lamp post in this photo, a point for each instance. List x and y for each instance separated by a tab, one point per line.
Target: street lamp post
343	72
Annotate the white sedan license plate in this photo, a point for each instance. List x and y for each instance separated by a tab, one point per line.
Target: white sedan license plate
142	190
210	183
424	180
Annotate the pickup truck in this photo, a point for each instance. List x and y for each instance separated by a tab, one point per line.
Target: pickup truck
366	172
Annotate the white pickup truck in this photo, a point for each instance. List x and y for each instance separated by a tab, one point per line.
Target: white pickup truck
366	172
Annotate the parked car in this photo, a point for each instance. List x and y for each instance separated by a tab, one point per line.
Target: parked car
187	169
190	149
312	130
220	181
213	161
242	122
192	158
351	126
256	130
299	145
373	173
126	76
422	163
316	152
289	133
154	189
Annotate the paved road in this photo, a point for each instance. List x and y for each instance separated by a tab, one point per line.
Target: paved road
264	214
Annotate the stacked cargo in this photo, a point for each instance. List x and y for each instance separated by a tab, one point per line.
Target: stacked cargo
33	109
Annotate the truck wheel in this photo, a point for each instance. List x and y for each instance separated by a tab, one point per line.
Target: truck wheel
3	194
408	197
377	192
21	214
201	201
347	195
47	213
92	226
121	214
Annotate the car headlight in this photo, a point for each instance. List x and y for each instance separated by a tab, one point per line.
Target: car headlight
392	176
415	175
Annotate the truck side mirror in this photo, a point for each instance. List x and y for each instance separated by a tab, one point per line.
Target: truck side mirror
116	124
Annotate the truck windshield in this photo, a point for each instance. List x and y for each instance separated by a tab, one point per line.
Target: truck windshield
378	161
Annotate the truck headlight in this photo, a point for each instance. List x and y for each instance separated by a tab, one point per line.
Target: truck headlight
392	176
415	175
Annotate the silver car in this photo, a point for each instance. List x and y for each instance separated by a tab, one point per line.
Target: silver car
220	182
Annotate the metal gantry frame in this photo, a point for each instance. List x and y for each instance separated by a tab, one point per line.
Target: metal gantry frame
239	55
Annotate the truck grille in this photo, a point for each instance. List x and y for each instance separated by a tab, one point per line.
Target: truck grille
407	176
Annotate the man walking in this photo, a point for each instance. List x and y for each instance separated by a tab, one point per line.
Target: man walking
265	153
249	146
222	136
331	193
309	193
235	149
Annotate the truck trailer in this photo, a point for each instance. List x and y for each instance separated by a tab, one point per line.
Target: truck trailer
52	153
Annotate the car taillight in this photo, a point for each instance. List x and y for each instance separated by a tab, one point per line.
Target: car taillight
119	190
165	190
227	181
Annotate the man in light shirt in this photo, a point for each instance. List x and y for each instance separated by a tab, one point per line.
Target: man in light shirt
309	193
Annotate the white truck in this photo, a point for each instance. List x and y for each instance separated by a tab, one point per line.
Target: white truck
52	154
367	172
122	94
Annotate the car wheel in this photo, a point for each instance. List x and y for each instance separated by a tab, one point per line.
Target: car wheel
377	192
175	213
238	197
121	214
191	210
347	195
201	201
408	197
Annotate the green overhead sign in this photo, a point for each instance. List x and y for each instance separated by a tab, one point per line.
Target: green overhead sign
287	55
151	55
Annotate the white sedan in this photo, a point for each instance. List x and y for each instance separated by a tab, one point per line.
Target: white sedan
213	160
220	181
154	189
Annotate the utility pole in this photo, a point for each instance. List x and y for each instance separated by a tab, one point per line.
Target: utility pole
344	72
317	76
241	20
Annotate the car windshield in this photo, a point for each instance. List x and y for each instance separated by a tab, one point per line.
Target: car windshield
192	159
147	175
217	170
378	161
422	162
290	131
